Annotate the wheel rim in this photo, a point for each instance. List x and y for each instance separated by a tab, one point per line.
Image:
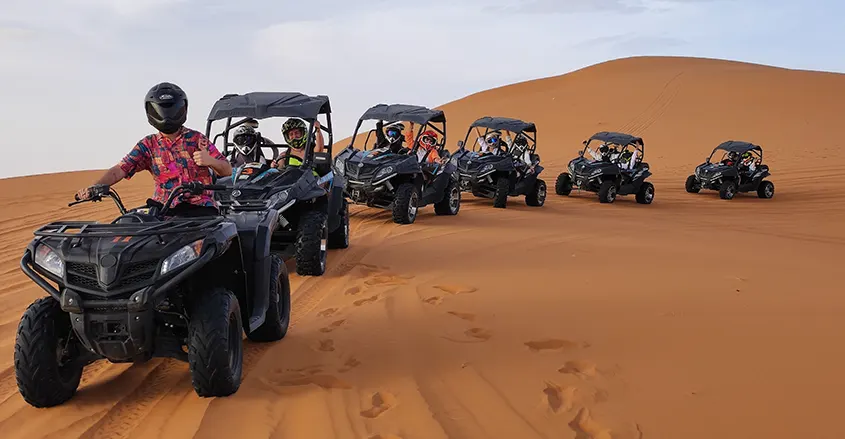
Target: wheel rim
412	206
453	199
541	193
769	191
234	338
611	193
324	239
649	194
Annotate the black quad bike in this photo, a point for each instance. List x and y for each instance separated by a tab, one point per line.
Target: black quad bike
149	285
307	194
502	172
733	173
402	182
617	169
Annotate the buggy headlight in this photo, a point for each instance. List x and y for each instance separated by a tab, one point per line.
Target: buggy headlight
181	257
341	166
279	197
47	259
383	172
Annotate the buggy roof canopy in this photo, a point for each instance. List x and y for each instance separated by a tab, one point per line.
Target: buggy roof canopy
738	146
505	123
402	112
617	138
261	105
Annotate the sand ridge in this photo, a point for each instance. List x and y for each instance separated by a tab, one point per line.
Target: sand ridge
693	317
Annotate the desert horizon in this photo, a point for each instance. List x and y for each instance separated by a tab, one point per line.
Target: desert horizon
692	317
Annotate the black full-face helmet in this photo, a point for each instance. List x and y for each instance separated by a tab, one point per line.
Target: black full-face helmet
167	107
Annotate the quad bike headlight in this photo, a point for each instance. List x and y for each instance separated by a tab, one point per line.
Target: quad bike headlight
47	259
181	257
383	174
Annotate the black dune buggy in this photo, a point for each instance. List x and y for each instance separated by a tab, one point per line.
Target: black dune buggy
401	182
731	174
312	212
149	285
503	172
617	169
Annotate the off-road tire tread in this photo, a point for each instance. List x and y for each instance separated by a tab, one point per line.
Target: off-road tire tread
208	356
275	326
443	207
500	199
402	202
563	184
532	199
340	237
307	249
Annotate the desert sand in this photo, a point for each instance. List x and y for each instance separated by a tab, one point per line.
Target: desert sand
693	317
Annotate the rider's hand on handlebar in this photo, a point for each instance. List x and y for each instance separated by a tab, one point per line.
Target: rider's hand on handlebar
83	194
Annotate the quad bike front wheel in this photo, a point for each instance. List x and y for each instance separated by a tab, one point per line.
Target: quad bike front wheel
503	187
406	204
537	197
311	243
46	373
451	202
728	190
607	192
766	189
692	185
563	185
340	237
646	193
277	318
215	343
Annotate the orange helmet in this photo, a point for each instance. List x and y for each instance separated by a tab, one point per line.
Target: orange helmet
428	139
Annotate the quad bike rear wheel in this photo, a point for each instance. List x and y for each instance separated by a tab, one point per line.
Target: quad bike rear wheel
563	185
215	344
406	204
646	193
537	196
766	189
47	375
340	237
692	185
451	202
311	243
607	192
277	318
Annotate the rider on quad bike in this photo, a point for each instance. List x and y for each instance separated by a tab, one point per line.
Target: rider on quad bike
174	155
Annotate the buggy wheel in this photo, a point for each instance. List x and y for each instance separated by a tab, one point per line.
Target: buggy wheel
451	202
45	375
340	237
406	204
728	190
311	244
503	187
692	185
277	318
607	192
215	344
537	197
766	189
646	193
563	185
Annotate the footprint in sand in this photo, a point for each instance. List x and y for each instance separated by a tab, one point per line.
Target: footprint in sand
324	381
353	291
586	428
370	299
328	312
326	345
382	402
433	300
581	368
307	370
479	333
334	325
463	315
551	344
350	364
455	289
385	280
558	399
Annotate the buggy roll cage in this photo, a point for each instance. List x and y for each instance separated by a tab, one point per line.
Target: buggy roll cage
395	113
619	139
264	105
515	126
738	147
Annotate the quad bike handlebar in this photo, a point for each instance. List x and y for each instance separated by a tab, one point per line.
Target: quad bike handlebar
98	191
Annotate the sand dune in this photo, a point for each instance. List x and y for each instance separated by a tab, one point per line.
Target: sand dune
690	318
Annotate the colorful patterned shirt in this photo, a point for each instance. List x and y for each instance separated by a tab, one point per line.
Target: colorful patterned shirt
172	164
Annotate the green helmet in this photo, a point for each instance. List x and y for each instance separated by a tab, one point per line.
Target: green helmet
294	138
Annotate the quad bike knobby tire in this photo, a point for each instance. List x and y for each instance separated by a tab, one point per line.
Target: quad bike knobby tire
215	343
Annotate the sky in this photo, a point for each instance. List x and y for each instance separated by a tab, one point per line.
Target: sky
73	73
